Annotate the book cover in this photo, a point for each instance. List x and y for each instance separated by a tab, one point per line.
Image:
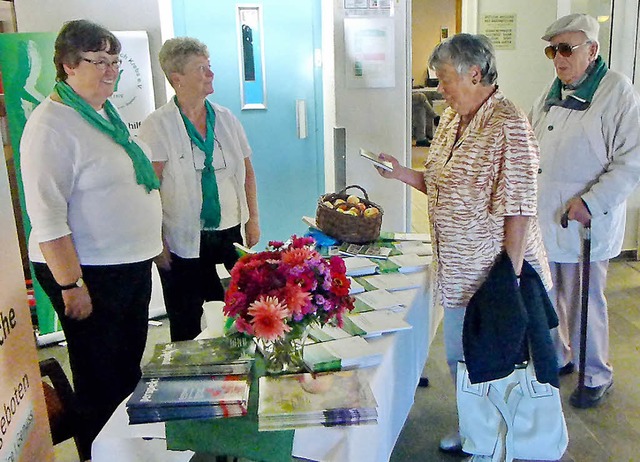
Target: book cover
396	281
415	247
359	266
355	287
190	391
411	263
164	414
342	354
197	356
379	299
391	236
372	323
327	332
312	395
365	250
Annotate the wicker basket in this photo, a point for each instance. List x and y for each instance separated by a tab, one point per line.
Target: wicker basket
344	227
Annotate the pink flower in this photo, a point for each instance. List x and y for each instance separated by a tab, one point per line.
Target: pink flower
243	326
286	286
296	300
337	265
268	318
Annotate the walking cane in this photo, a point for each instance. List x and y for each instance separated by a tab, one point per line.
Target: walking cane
584	295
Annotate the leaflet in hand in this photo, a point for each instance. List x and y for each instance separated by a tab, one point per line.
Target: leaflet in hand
383	164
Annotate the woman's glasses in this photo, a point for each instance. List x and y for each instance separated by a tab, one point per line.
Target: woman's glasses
103	64
564	49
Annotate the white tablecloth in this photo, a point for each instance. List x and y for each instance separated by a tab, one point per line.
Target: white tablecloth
393	383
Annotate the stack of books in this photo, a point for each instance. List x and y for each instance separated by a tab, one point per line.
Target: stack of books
214	356
194	379
306	400
200	397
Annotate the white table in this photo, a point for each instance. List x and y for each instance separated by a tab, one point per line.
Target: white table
393	383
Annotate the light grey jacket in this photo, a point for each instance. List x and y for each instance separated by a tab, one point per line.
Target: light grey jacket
594	154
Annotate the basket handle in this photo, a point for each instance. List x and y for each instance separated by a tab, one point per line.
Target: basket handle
366	196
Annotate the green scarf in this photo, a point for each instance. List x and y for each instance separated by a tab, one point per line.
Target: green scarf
116	129
210	212
581	98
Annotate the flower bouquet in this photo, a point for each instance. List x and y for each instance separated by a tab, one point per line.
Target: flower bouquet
277	294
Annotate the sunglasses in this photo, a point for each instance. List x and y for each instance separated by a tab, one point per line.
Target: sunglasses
564	49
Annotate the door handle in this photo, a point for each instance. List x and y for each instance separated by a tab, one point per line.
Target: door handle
301	118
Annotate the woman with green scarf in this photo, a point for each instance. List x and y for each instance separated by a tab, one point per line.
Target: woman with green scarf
208	186
94	205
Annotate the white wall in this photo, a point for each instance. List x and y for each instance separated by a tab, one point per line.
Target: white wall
524	72
49	15
376	119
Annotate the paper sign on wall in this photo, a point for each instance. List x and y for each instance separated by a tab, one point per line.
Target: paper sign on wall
501	30
369	49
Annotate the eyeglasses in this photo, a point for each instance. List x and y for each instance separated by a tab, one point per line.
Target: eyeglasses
564	49
103	64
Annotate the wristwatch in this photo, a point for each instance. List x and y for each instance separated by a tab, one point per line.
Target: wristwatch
78	283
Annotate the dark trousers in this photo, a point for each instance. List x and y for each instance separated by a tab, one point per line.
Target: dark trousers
192	281
106	348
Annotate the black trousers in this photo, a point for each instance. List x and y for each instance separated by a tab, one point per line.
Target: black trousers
106	348
192	281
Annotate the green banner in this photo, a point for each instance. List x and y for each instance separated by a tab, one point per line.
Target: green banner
28	76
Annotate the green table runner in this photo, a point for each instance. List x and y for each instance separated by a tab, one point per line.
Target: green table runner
234	436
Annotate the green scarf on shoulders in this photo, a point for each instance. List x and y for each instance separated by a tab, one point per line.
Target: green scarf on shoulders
581	98
116	129
210	212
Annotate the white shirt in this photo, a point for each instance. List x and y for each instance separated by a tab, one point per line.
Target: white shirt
78	181
594	154
181	188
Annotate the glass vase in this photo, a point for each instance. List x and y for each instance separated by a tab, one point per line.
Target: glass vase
285	354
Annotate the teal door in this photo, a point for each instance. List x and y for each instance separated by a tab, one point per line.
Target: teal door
289	168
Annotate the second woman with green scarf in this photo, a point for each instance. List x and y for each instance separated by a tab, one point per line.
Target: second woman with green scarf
208	187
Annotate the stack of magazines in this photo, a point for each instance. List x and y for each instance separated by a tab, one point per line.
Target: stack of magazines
213	356
194	379
200	397
306	400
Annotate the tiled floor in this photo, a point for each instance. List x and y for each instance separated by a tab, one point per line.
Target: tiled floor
610	432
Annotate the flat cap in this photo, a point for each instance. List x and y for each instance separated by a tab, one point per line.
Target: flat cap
574	23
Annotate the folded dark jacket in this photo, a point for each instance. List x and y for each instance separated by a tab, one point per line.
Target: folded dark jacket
506	324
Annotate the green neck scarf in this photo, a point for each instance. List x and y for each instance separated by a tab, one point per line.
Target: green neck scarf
210	212
581	98
116	129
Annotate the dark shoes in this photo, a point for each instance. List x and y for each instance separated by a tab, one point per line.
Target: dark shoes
425	143
566	369
591	396
423	382
451	444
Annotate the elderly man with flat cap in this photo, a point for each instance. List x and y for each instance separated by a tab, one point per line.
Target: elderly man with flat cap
588	127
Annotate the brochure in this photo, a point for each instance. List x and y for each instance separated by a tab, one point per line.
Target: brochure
373	158
374	323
